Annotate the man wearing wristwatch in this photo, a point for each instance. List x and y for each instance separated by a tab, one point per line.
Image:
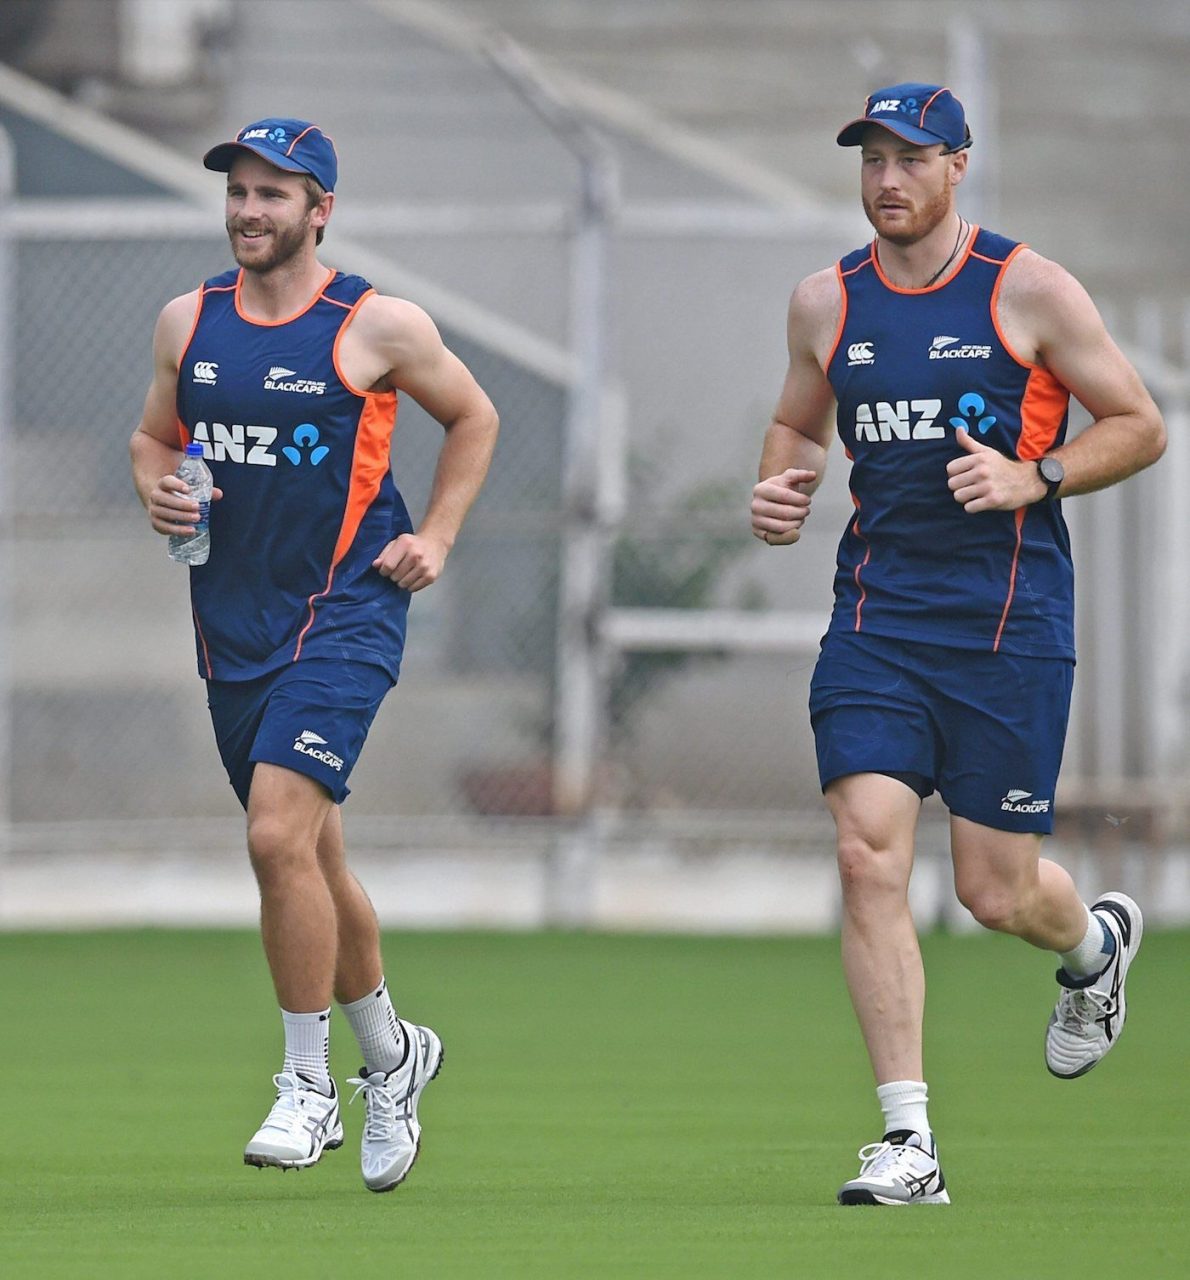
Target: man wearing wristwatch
952	354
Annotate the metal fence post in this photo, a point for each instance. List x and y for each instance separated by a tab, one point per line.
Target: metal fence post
7	291
580	680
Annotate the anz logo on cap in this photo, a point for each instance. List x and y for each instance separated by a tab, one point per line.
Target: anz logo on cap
275	136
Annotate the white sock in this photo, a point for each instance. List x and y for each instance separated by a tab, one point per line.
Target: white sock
1091	955
904	1105
308	1047
380	1035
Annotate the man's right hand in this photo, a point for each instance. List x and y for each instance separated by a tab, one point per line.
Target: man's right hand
171	508
780	508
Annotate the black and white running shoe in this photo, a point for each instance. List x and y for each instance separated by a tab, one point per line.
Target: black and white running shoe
302	1124
1090	1012
900	1169
392	1132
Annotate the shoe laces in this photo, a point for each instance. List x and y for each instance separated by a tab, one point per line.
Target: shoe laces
1079	1008
380	1107
882	1157
286	1112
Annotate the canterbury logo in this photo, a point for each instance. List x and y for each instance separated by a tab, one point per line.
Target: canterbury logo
860	353
206	371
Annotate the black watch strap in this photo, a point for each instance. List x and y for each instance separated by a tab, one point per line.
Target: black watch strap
1053	473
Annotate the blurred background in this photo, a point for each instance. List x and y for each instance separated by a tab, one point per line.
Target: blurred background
604	205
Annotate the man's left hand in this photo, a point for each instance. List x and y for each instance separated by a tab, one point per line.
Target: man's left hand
412	561
983	479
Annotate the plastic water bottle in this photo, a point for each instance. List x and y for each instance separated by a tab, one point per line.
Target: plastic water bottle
194	548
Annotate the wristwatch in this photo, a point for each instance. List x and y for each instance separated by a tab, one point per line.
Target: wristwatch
1053	473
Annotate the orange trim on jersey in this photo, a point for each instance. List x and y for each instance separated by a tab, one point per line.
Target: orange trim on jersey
369	465
930	288
1043	406
995	305
830	355
339	338
1019	517
859	266
863	593
273	324
206	657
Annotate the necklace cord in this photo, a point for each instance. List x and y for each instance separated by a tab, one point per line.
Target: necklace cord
964	227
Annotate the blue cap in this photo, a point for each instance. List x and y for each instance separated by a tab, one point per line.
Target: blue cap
924	114
194	450
297	146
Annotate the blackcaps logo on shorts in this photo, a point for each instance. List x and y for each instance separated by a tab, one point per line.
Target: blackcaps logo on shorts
310	744
1018	801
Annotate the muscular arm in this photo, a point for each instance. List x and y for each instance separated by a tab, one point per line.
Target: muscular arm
793	459
415	361
155	446
1049	319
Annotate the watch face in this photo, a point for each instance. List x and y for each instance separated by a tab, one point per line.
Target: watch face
1052	471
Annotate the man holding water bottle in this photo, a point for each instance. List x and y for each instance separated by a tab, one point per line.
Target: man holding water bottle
287	373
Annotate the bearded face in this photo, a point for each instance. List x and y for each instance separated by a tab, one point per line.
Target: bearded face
907	191
268	215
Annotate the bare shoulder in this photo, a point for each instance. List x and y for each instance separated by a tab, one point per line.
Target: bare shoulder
1040	286
817	297
388	322
1041	304
174	325
815	310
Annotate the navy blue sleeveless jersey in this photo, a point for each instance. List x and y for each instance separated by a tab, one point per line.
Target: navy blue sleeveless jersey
308	500
907	367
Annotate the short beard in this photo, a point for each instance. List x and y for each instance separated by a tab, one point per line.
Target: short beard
287	245
924	220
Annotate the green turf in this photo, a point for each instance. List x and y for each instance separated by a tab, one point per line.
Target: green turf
610	1106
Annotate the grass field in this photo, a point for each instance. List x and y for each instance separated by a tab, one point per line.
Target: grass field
609	1106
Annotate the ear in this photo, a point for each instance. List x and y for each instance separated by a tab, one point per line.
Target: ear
320	215
958	167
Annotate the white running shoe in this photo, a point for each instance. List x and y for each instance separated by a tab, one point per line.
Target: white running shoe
301	1126
391	1130
898	1170
1090	1012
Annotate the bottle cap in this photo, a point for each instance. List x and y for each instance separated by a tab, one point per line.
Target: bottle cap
194	450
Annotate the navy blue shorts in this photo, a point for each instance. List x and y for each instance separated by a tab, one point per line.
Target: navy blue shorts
985	730
311	716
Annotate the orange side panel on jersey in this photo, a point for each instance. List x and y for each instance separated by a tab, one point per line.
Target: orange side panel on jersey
369	466
1043	407
1019	518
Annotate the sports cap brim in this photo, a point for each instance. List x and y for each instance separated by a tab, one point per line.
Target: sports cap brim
852	135
222	157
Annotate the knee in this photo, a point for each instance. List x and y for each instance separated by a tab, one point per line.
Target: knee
277	851
994	906
866	870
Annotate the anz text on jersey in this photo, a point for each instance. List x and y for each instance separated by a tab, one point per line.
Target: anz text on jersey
904	420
